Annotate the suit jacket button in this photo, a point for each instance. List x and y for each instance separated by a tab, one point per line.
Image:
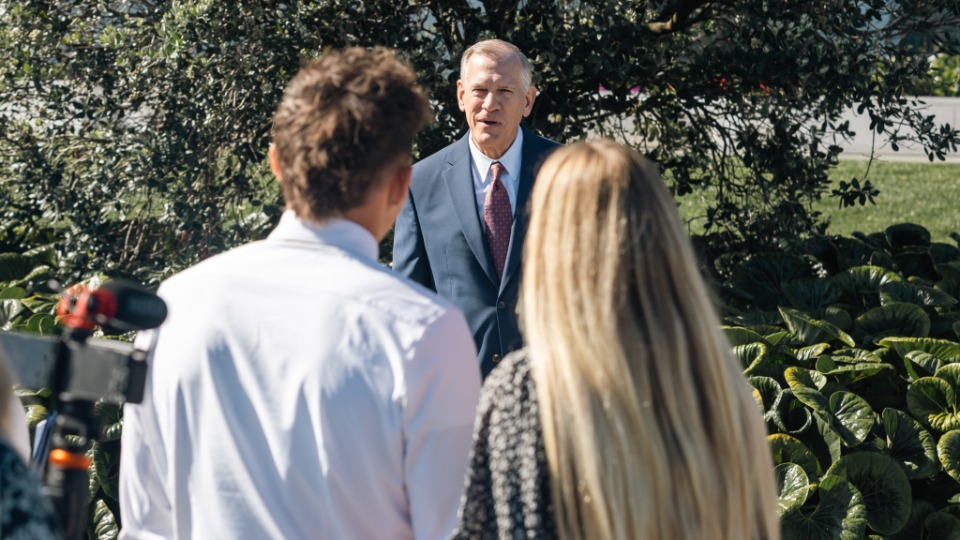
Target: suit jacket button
496	358
501	304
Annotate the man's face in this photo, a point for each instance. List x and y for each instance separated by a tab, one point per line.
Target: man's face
494	100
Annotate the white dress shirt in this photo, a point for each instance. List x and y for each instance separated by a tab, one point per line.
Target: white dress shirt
298	389
483	177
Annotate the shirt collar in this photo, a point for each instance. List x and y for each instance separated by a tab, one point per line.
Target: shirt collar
510	159
339	233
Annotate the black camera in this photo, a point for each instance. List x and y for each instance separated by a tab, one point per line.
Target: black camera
81	370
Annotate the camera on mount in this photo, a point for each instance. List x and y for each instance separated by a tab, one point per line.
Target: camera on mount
80	370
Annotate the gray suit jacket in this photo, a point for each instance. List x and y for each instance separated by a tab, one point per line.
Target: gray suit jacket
439	242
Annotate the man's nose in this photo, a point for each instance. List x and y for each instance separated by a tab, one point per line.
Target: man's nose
490	101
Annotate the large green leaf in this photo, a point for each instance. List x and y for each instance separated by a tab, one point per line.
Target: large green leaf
894	319
787	449
810	331
806	385
760	277
104	523
738	335
862	283
806	354
951	374
13	293
768	390
883	485
790	415
782	341
793	486
911	446
902	235
40	323
906	292
767	329
855	356
948	451
853	417
811	294
941	526
9	309
917	264
933	401
107	467
110	417
829	365
926	523
943	252
921	364
838	317
839	514
854	251
943	349
751	356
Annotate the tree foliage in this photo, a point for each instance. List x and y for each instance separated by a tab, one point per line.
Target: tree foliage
136	131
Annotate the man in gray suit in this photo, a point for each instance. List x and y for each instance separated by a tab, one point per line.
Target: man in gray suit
461	231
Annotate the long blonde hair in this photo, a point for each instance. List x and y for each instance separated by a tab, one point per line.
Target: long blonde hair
649	425
6	389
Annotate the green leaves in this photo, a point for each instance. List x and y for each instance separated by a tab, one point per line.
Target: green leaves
847	414
792	487
787	449
853	417
933	401
948	451
808	330
940	348
911	446
761	277
838	512
883	486
822	390
894	319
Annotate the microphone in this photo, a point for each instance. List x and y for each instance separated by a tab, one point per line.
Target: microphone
117	305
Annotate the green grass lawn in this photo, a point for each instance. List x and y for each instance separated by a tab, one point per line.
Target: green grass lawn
924	193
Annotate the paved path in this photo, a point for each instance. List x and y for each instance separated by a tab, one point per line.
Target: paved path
946	110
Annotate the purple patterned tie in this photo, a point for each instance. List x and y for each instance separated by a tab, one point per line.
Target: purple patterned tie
498	217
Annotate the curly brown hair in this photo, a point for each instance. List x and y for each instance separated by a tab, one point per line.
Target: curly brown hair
343	117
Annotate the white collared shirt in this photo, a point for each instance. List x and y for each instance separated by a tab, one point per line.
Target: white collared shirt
299	389
483	178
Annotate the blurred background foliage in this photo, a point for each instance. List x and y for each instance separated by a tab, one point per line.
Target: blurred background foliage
135	132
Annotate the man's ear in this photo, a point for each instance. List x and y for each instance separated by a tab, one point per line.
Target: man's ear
530	97
400	185
274	162
460	91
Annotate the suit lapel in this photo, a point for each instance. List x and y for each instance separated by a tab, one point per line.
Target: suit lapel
458	178
520	214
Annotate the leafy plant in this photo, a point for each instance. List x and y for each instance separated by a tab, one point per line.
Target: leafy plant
856	367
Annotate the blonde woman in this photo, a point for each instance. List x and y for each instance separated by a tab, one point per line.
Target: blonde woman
626	416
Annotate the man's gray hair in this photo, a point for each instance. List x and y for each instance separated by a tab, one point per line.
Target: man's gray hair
495	48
